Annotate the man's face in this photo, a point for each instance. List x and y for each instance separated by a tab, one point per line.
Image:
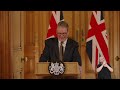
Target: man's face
62	33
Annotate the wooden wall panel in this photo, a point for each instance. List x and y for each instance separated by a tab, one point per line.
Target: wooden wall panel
116	41
109	27
68	17
29	43
4	46
16	38
44	17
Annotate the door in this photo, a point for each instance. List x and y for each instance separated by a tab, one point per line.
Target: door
29	44
116	44
16	28
36	26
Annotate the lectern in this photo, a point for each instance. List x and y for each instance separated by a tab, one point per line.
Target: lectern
71	69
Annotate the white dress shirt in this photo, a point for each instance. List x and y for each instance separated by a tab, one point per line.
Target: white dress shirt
64	44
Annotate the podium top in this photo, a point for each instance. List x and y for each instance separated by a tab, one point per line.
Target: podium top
71	69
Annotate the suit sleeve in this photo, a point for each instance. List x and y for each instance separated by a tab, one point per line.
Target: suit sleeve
45	55
76	55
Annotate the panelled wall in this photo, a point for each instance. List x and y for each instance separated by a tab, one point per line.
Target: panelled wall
4	46
35	30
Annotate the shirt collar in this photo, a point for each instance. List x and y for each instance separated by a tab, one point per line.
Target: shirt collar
64	43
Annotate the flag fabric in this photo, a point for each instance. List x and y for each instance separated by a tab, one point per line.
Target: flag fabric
56	17
97	41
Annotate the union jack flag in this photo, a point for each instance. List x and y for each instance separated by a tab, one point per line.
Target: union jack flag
97	41
56	17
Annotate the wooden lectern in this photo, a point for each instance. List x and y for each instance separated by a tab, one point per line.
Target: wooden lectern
71	69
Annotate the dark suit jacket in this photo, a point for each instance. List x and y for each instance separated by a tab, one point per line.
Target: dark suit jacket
51	51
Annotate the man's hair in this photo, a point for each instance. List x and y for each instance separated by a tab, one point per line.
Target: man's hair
63	24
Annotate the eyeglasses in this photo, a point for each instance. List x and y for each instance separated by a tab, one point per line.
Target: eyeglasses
62	33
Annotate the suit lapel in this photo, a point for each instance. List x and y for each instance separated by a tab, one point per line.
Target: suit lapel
67	48
56	48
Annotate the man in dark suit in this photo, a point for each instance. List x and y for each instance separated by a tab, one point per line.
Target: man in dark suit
52	48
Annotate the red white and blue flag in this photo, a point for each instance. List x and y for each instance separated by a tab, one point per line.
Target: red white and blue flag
56	17
97	41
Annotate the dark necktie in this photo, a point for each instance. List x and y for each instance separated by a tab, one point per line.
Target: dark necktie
61	51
